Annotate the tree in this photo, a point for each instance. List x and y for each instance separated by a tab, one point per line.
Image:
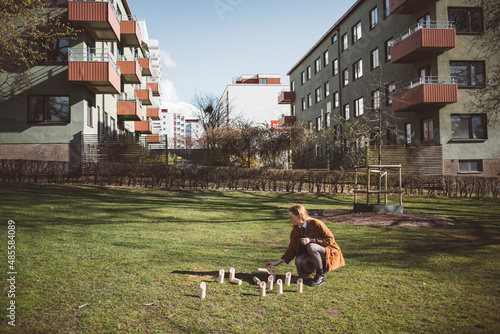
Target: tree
31	32
487	99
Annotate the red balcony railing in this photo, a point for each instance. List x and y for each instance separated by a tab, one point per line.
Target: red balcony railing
154	114
145	96
131	71
95	69
423	40
144	127
425	92
155	88
286	121
146	67
130	34
98	18
286	97
129	109
153	139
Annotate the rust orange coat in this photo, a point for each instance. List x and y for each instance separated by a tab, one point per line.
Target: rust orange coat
324	237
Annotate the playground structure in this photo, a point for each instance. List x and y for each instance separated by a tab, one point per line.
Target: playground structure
383	170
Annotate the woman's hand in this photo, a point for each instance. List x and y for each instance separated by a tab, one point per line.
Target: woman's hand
305	241
274	264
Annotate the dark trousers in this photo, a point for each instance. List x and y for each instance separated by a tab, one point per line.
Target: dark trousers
311	260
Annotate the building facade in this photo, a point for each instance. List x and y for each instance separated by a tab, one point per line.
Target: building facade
98	88
414	61
252	98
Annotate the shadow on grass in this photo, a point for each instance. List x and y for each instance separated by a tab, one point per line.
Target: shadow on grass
245	277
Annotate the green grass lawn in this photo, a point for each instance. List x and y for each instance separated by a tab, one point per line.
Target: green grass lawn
92	259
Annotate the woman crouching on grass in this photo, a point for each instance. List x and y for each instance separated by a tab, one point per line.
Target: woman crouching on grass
313	246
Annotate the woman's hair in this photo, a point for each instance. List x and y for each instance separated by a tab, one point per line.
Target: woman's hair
300	211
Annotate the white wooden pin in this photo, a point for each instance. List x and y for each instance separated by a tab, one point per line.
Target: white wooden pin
288	279
203	290
262	289
232	272
270	282
256	280
279	284
221	276
300	283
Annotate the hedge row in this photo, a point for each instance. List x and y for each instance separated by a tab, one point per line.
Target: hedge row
235	178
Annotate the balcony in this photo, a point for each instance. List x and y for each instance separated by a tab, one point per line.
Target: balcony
286	97
130	34
154	114
95	69
155	88
146	67
98	18
143	127
286	121
425	92
131	71
129	109
407	6
430	38
145	96
153	139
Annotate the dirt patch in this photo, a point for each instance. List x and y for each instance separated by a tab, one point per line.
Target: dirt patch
383	219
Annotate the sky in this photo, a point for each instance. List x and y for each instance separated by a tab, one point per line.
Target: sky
206	43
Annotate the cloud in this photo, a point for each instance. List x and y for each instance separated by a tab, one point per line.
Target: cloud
166	60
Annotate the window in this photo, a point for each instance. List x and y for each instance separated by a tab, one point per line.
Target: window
358	107
327	120
408	134
318	123
319	95
424	21
326	58
388	46
427	130
376	100
470	166
467	20
374	60
347	113
345	77
392	137
319	151
373	18
336	132
263	81
468	73
387	8
334	38
303	103
317	65
336	102
467	126
56	51
112	124
48	109
356	32
90	112
390	89
309	100
327	89
292	86
335	67
309	73
357	70
345	42
303	77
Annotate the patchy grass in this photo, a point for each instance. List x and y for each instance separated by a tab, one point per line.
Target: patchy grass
98	259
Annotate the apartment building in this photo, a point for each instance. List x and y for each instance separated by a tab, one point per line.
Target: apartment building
415	61
252	97
99	89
